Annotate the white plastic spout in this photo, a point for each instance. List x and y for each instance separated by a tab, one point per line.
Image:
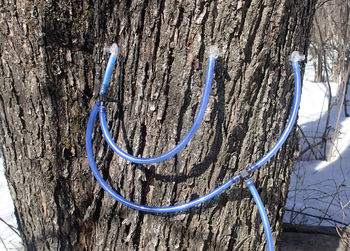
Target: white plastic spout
213	51
296	56
112	49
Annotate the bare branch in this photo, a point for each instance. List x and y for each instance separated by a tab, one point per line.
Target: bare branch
318	217
14	229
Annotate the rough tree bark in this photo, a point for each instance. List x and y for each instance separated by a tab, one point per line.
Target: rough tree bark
52	62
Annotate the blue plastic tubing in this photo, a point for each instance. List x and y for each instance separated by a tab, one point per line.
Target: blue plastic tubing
198	119
108	73
291	121
209	195
263	214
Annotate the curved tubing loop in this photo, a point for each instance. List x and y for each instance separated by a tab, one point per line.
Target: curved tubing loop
263	214
134	205
290	123
198	119
209	195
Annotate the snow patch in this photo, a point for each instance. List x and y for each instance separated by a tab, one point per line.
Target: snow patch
319	192
9	239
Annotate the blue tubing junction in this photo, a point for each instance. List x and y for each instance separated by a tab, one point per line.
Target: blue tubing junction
100	108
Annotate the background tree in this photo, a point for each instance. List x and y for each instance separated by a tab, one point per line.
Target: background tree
330	50
51	66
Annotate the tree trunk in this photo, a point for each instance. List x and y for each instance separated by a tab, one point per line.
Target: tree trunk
52	63
319	71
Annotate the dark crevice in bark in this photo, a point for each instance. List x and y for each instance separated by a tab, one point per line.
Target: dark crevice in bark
184	107
60	212
208	242
245	9
142	131
6	124
97	213
128	145
166	86
138	43
252	35
109	224
137	232
214	17
158	25
187	35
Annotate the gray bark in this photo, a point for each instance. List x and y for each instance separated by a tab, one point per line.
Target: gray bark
52	63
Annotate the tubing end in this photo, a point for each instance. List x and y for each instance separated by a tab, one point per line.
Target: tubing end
112	49
213	51
296	57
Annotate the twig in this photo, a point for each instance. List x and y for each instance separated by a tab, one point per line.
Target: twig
321	3
312	146
10	226
307	141
318	217
336	131
318	126
329	88
3	243
339	230
329	205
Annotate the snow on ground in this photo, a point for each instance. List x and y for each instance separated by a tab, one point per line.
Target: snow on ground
319	192
9	240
